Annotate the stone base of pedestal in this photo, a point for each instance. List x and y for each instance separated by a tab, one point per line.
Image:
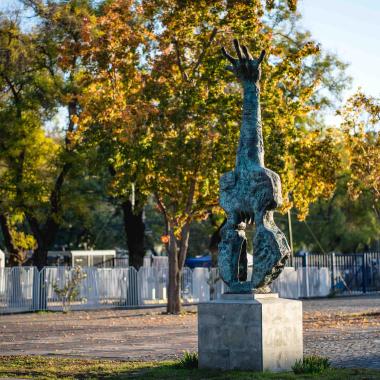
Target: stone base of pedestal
250	332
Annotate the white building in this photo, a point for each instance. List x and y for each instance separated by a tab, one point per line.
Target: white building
82	258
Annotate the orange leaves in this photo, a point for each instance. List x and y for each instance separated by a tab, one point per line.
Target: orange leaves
114	97
155	91
168	50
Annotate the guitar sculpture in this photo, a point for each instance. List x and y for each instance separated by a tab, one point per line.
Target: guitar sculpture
250	193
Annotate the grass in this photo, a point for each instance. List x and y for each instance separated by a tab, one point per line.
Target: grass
188	361
311	364
59	368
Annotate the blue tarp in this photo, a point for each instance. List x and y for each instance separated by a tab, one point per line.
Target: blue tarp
198	262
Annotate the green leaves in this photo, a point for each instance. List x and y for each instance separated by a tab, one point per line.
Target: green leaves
146	89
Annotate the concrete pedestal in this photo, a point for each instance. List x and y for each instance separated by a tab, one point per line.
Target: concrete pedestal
250	332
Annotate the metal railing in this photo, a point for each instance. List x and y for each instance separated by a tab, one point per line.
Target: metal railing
25	289
350	272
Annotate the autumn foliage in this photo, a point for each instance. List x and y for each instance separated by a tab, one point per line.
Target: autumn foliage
149	102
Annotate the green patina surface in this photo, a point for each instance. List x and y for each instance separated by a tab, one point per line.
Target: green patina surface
250	193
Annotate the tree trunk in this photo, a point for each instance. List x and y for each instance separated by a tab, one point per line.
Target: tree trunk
17	256
46	234
174	288
214	244
177	256
40	258
135	231
45	240
40	253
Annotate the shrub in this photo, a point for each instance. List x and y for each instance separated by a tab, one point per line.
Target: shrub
188	361
70	291
311	364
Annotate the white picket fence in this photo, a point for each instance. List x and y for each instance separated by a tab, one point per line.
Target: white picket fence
303	282
25	289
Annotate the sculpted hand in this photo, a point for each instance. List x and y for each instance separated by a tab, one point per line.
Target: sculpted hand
245	67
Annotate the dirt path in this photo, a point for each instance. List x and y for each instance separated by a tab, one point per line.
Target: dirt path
346	330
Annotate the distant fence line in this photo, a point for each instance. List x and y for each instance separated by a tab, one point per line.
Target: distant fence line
25	289
354	272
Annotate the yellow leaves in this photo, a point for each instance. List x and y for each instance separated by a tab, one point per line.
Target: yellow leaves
213	136
315	166
23	241
75	119
171	110
361	116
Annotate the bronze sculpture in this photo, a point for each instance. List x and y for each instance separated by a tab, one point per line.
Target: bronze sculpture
250	193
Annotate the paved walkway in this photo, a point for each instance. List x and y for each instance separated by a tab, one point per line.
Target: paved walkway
347	330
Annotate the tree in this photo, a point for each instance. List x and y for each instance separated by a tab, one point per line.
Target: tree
198	111
27	155
337	224
60	42
348	221
361	117
115	111
144	83
90	218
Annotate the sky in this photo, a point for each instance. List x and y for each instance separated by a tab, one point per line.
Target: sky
349	28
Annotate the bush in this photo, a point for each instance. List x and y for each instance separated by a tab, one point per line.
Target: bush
311	364
188	361
70	291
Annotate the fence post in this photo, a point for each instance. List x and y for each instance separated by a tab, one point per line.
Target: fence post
332	268
305	259
39	300
364	272
36	290
305	270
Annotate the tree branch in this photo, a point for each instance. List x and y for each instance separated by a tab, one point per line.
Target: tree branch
35	227
203	53
12	87
179	61
163	211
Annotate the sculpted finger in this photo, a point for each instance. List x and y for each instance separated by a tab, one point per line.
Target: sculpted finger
228	56
238	50
246	52
262	55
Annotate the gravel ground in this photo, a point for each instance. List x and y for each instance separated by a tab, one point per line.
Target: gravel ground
355	304
347	330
